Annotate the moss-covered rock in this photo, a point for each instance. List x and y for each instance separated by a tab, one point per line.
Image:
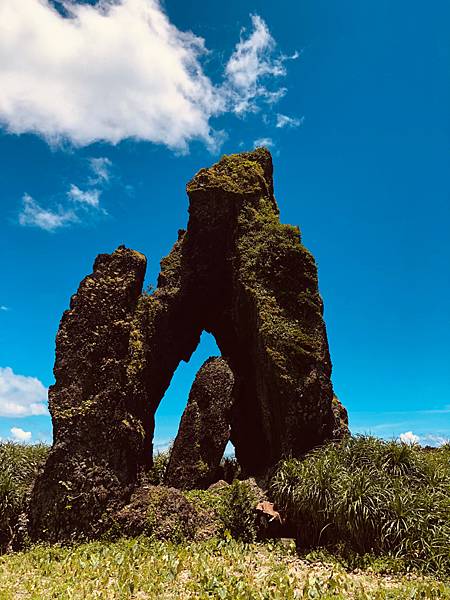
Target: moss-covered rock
236	272
98	434
240	274
204	429
166	514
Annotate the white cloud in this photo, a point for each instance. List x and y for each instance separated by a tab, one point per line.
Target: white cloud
34	215
21	396
89	197
122	70
265	141
409	438
4	308
101	168
19	435
285	121
249	66
436	440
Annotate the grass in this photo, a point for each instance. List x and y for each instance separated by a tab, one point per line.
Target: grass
228	569
373	519
19	464
364	495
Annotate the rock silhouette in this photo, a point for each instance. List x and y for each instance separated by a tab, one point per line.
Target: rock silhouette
236	272
204	428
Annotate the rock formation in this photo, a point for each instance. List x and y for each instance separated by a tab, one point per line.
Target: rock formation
236	272
240	274
340	417
97	431
204	428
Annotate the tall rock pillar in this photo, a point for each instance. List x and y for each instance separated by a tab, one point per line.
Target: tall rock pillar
98	435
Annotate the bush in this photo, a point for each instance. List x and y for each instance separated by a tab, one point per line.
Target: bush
366	495
230	469
237	510
232	508
165	514
158	470
19	465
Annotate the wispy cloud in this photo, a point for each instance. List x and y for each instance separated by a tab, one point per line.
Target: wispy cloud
123	70
267	142
19	435
435	440
101	168
250	64
4	308
76	202
291	122
427	424
34	215
89	197
21	395
162	445
437	411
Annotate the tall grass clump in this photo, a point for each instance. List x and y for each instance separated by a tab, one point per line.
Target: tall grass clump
366	495
19	465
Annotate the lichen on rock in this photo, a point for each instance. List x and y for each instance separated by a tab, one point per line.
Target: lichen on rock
204	428
98	437
235	272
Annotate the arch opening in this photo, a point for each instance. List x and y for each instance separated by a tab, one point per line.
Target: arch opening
173	403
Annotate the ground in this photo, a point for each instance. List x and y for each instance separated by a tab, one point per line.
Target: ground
226	569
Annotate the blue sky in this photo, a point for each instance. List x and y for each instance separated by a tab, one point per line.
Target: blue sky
107	112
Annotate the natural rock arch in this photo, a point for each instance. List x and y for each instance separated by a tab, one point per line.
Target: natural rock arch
236	272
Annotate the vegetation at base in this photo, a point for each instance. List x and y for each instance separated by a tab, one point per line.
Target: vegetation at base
158	470
371	516
147	569
19	464
232	507
238	511
365	495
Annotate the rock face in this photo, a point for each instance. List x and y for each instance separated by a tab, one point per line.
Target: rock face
240	274
97	430
204	428
341	418
236	272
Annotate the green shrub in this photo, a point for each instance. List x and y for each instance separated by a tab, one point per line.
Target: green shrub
158	470
230	468
370	496
237	510
159	512
232	508
19	465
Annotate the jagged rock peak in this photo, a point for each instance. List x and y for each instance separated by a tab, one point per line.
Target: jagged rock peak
238	173
236	272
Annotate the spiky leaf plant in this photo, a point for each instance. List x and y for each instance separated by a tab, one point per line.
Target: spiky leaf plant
365	495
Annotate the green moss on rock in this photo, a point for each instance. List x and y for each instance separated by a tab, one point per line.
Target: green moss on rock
236	272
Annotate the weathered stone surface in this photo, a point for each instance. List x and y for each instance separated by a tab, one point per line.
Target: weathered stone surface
98	436
236	272
204	428
340	417
240	274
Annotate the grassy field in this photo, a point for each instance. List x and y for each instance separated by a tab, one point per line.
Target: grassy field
373	522
142	568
